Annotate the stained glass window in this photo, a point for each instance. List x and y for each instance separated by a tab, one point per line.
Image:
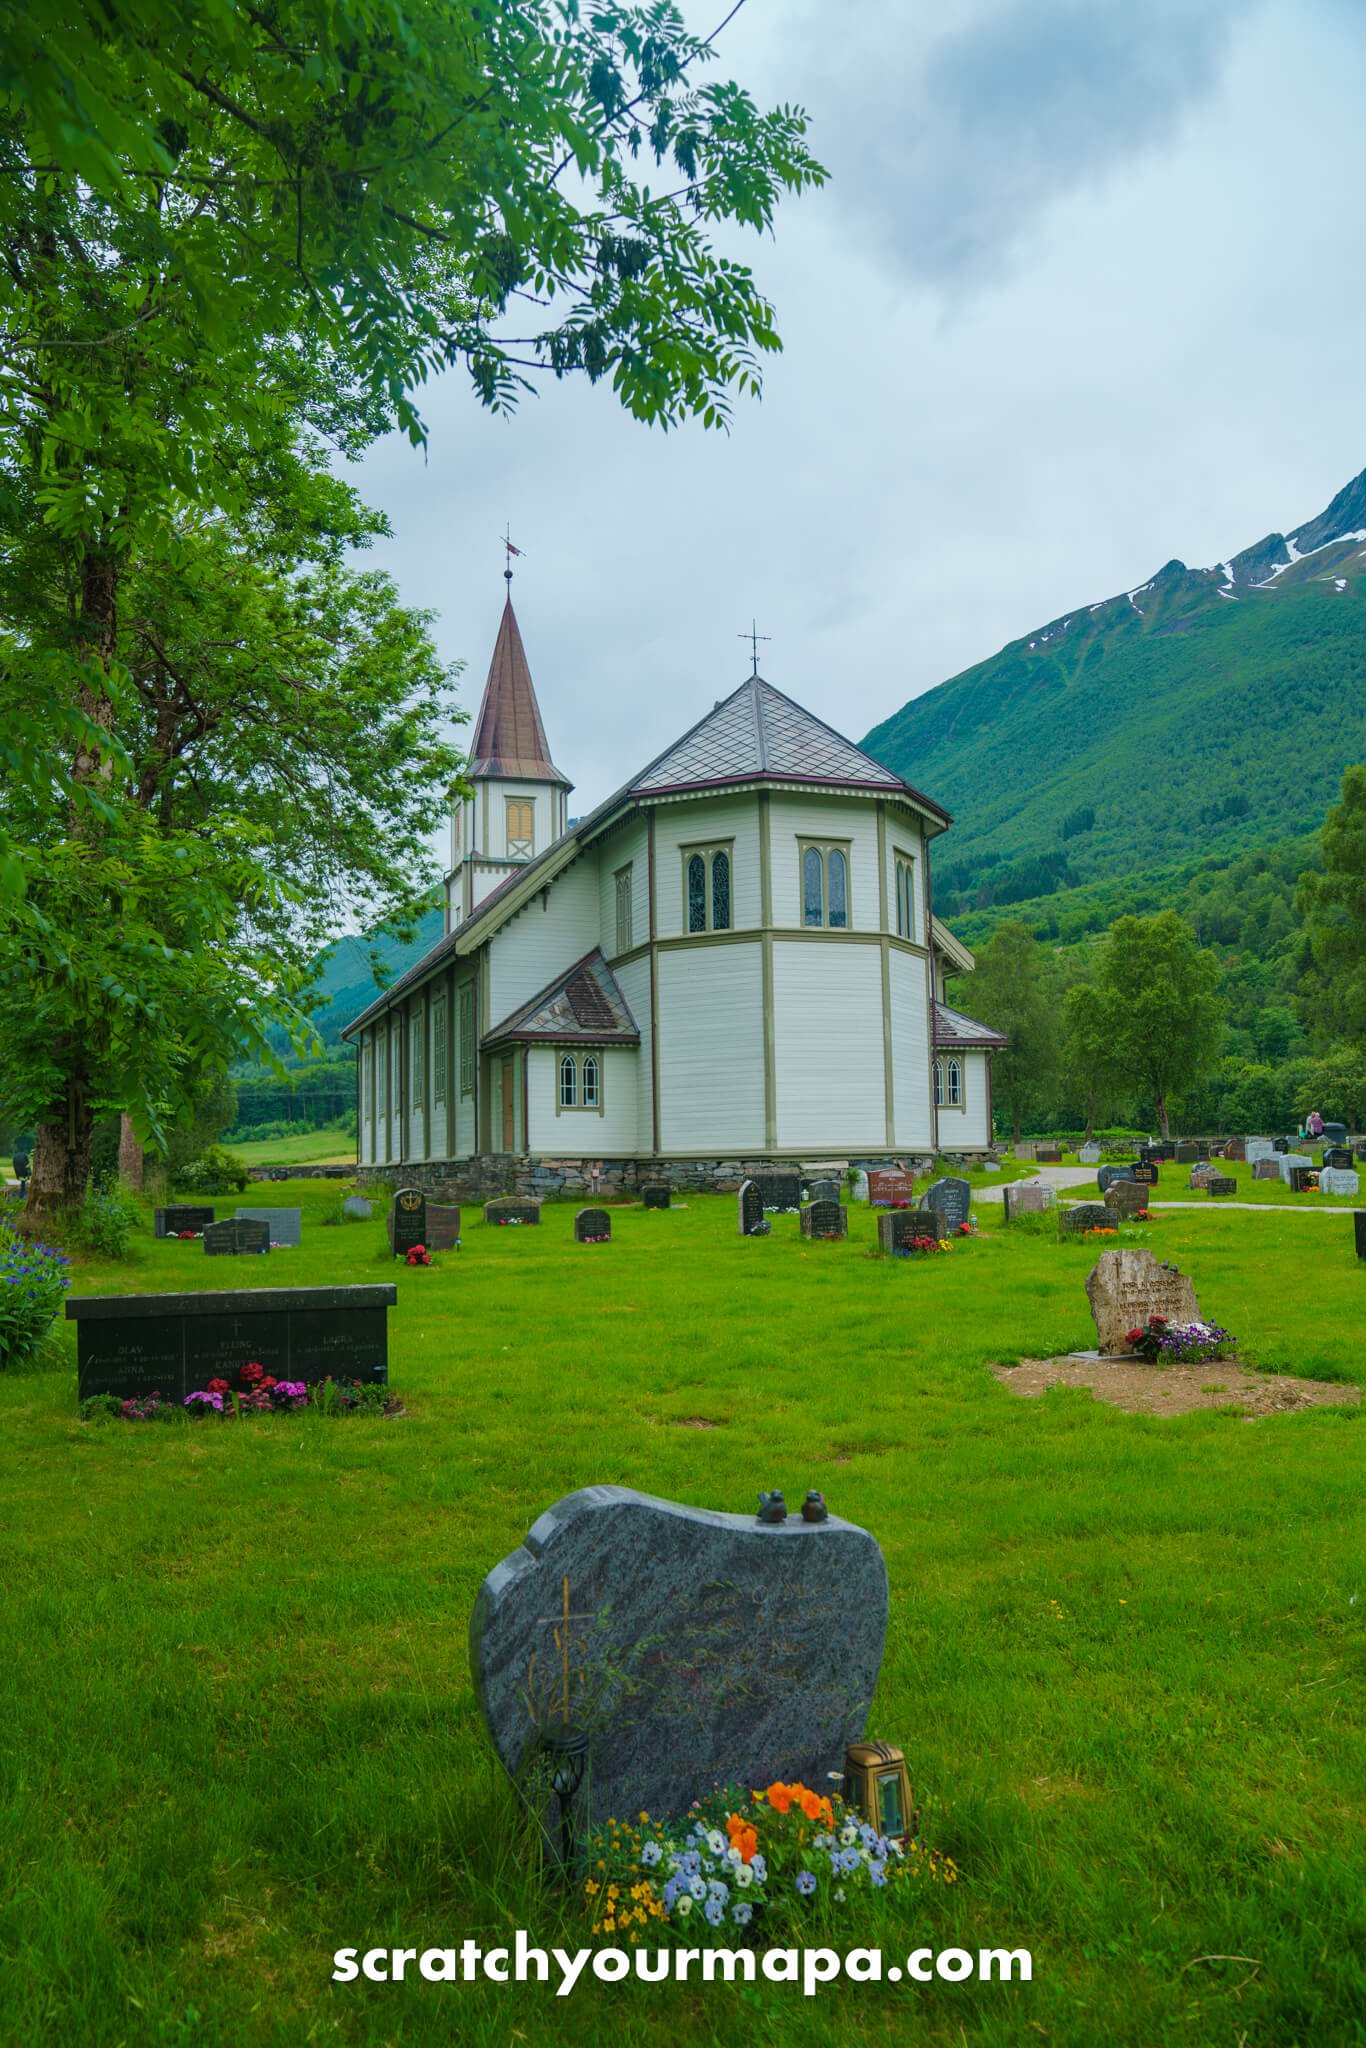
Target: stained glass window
623	881
720	892
590	1081
905	898
569	1082
813	887
837	888
697	894
955	1083
825	886
440	1052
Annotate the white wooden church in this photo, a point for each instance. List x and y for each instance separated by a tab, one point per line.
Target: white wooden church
733	959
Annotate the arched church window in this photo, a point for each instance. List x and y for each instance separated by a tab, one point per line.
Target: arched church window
939	1084
837	885
569	1082
813	887
955	1084
825	884
591	1096
905	897
697	893
720	892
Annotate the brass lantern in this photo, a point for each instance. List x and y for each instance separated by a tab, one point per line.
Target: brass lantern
877	1784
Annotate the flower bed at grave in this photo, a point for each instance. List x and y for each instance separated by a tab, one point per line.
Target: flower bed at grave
769	1863
33	1284
1167	1343
256	1392
418	1255
920	1246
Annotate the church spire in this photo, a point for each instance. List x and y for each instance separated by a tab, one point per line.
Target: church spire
509	739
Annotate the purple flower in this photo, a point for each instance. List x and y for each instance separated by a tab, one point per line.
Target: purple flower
806	1883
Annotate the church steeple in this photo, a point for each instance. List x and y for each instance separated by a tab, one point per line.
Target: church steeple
509	738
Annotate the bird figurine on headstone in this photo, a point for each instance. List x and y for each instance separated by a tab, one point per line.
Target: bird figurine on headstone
772	1507
814	1508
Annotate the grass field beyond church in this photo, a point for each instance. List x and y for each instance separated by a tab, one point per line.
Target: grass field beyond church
1125	1655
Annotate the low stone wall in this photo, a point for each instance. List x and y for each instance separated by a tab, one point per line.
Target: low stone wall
484	1178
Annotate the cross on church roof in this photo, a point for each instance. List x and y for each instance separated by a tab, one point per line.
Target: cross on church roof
754	637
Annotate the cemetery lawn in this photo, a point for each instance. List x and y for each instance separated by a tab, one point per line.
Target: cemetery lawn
1125	1653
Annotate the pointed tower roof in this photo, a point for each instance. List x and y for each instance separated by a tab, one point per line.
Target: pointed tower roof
509	739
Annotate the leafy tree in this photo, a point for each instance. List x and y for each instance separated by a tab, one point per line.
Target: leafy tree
1156	1004
1008	993
1088	1059
1333	907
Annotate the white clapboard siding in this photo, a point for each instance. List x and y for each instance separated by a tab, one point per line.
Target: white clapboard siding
963	1126
558	1133
795	818
556	928
627	846
706	822
365	1150
827	1041
633	979
912	1078
711	1049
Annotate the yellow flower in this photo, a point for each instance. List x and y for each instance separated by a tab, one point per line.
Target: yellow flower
613	1891
633	1936
609	1926
591	1888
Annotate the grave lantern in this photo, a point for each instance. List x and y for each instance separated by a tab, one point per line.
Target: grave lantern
877	1784
564	1760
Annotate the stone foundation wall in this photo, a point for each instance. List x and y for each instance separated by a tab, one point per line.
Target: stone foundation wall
484	1178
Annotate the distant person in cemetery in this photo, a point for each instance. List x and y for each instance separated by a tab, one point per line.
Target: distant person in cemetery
21	1165
1315	1124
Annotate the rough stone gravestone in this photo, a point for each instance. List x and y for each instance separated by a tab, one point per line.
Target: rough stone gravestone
1236	1149
1124	1288
897	1228
1292	1163
407	1221
1258	1148
890	1188
1089	1155
1338	1180
180	1216
171	1344
1187	1155
690	1649
1338	1155
1201	1176
1221	1184
592	1226
780	1191
1267	1169
1358	1234
1124	1198
512	1211
825	1219
286	1226
1083	1216
1027	1198
823	1191
750	1205
656	1195
1108	1175
236	1234
951	1200
356	1206
1147	1173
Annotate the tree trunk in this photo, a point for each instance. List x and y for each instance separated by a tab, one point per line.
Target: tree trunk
1090	1121
61	1162
130	1156
1015	1118
1164	1128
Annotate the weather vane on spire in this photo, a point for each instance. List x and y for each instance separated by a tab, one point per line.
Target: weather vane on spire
510	552
754	637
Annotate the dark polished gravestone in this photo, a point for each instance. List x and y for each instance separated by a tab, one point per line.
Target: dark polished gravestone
1048	1155
749	1205
180	1216
1027	1198
951	1200
174	1344
286	1226
825	1219
1221	1184
1302	1179
1147	1173
897	1228
1108	1175
890	1188
823	1191
234	1235
1338	1155
1186	1155
1088	1216
780	1191
592	1226
688	1649
441	1221
1359	1231
510	1211
657	1195
1281	1145
407	1221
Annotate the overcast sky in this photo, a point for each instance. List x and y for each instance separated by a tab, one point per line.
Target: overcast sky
1086	290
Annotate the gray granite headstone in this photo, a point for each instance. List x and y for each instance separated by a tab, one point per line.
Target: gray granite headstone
825	1219
1338	1180
898	1228
691	1649
1267	1169
356	1206
1186	1154
1290	1161
1027	1198
1258	1148
1109	1174
1126	1198
951	1200
1221	1184
823	1191
1089	1155
286	1226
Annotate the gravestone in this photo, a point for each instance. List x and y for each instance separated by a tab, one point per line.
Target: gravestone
286	1226
1048	1155
407	1221
235	1234
1124	1288
897	1228
1281	1145
1124	1198
1258	1148
1236	1149
1089	1155
858	1190
1267	1169
1221	1184
823	1191
1303	1179
1337	1155
1186	1155
1360	1148
1164	1151
779	1191
991	1166
443	1227
1334	1134
1359	1232
1201	1176
890	1188
1338	1180
1085	1216
356	1206
951	1200
657	1195
750	1205
1108	1175
1024	1151
180	1216
173	1344
1147	1173
1027	1198
511	1210
1294	1162
1202	1152
825	1219
691	1649
592	1226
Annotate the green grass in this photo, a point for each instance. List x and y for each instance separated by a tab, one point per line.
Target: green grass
330	1147
1124	1658
1174	1186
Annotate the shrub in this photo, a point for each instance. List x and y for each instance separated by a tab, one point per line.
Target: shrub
215	1172
107	1221
33	1283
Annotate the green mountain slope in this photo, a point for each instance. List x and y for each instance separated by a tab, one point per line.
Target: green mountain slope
347	983
1206	712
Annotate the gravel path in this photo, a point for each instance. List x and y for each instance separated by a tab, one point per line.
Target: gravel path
1066	1178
